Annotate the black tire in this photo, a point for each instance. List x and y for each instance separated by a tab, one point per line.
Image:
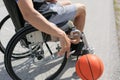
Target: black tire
1	24
17	72
2	47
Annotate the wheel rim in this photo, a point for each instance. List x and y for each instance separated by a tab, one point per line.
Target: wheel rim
7	30
20	68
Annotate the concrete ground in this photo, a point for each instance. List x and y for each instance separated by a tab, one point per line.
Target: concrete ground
101	34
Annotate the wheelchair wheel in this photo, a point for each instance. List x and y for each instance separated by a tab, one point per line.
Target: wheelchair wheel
7	30
42	63
2	48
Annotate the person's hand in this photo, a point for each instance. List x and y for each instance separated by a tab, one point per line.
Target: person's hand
65	42
65	45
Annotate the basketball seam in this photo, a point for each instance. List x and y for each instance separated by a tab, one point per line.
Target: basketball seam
81	71
90	67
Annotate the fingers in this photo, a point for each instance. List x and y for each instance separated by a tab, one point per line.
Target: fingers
63	50
65	46
68	53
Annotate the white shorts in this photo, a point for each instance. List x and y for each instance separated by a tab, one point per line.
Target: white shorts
64	13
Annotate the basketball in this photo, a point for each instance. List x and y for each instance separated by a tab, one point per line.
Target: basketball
89	67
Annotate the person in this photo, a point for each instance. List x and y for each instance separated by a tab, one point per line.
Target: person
65	11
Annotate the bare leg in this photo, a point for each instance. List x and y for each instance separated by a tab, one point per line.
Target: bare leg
79	20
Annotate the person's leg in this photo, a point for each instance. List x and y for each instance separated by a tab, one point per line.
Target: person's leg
75	12
64	13
79	20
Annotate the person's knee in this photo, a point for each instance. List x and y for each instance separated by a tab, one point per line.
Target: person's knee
81	9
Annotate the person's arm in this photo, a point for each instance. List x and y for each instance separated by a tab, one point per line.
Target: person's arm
42	24
36	19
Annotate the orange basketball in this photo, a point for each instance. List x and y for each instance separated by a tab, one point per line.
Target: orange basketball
89	67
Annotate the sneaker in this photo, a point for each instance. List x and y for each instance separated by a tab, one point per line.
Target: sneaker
77	47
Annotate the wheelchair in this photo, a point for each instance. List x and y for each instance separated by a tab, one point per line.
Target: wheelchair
31	54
